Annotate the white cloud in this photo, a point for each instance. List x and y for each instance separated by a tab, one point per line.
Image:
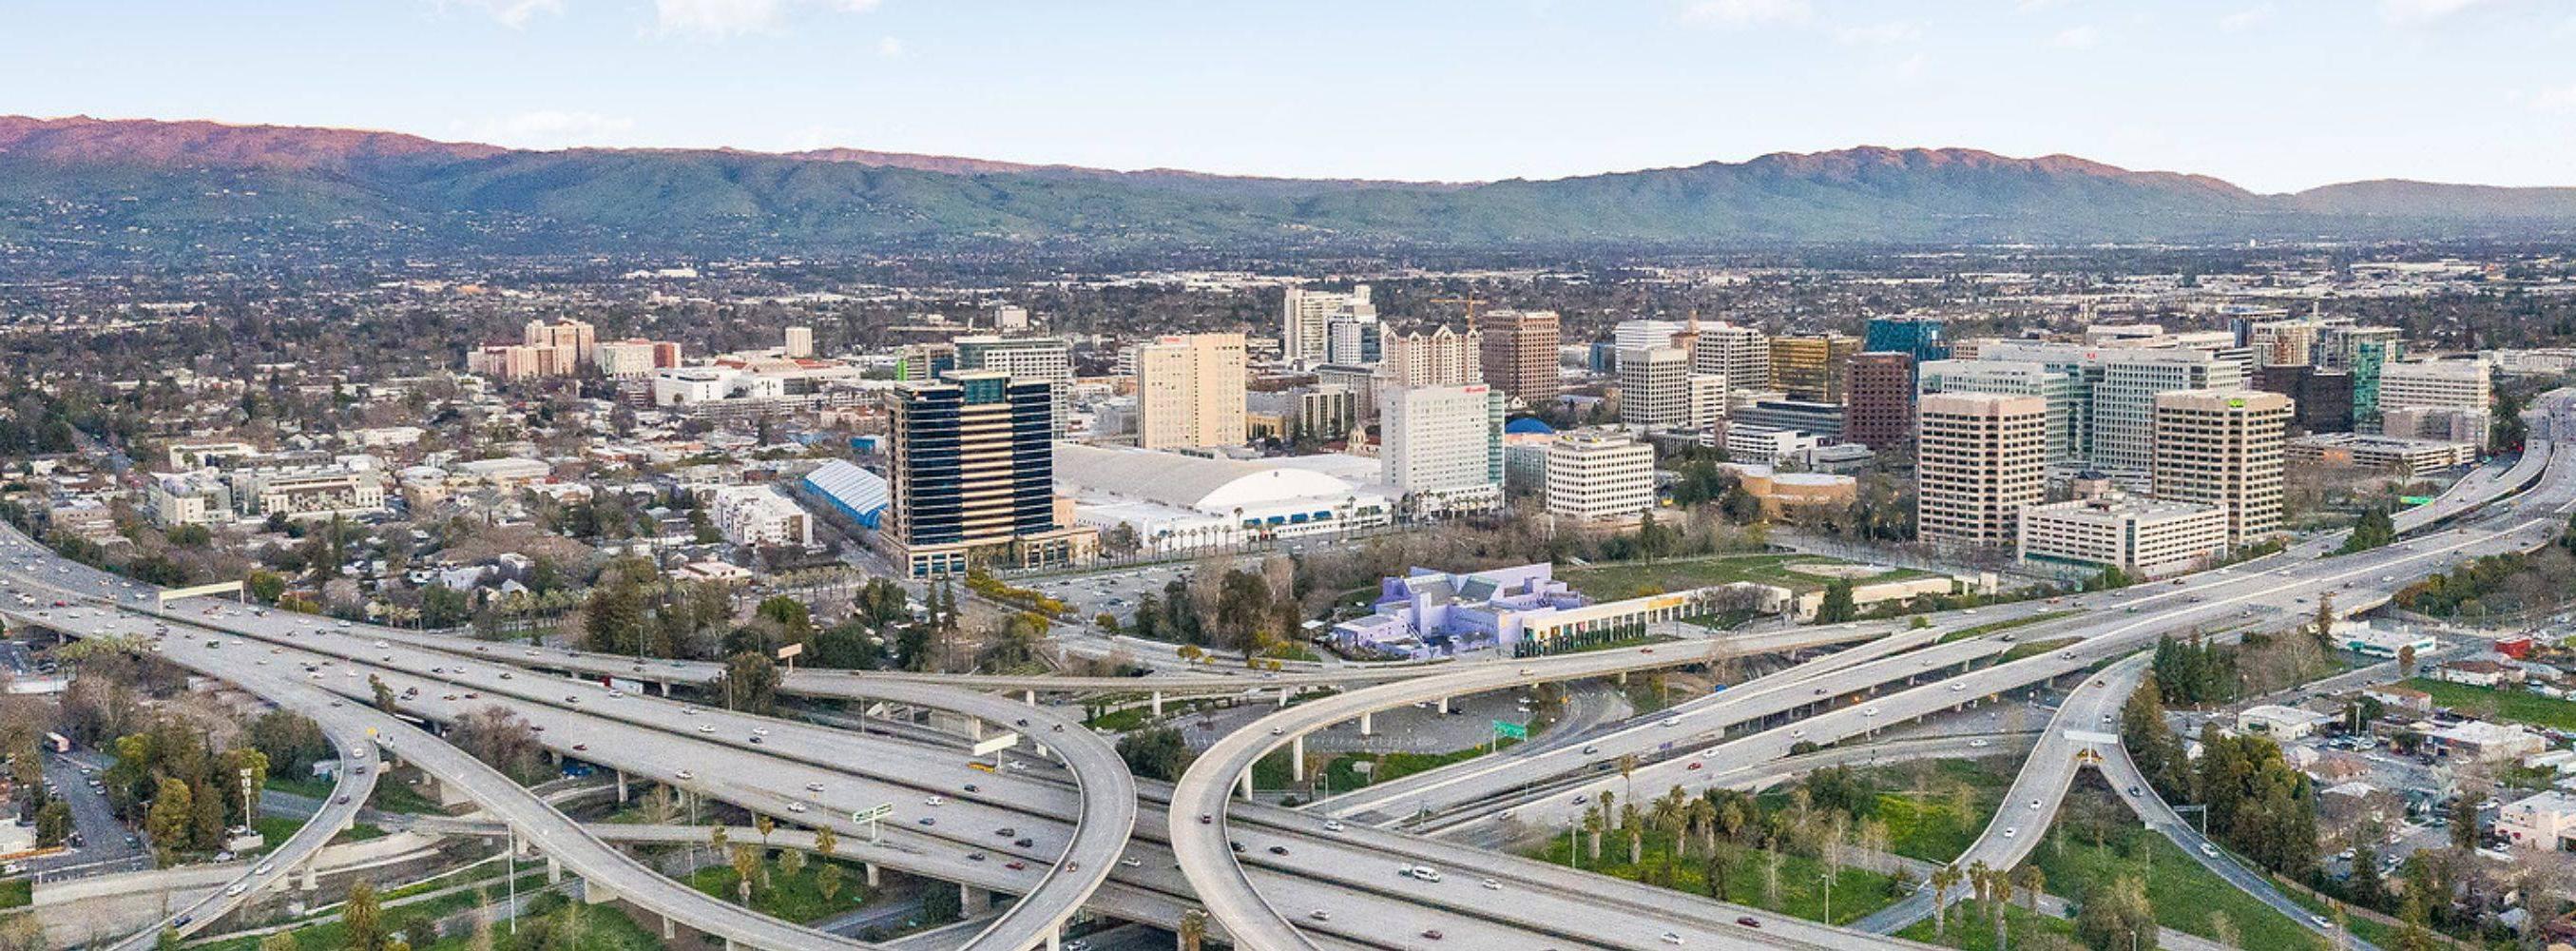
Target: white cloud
2555	100
512	13
2034	6
1888	33
2076	38
890	48
714	18
2422	11
1742	13
549	129
2245	19
859	6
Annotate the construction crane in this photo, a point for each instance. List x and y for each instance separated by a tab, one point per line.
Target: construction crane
1470	301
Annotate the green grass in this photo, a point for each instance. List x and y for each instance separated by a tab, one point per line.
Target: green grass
1616	580
1119	721
1341	772
324	932
2512	706
17	893
1856	892
2035	648
1969	931
1935	814
1292	651
790	897
1723	620
2384	936
2185	895
1992	626
390	796
275	830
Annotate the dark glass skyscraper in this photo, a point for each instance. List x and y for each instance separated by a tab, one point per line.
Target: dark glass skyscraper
974	473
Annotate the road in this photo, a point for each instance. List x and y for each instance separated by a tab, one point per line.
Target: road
103	847
2086	724
2198	600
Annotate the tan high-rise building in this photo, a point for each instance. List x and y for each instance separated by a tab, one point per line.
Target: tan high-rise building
1811	368
577	336
1981	459
1740	354
2224	448
800	343
1442	357
1520	353
1655	387
1189	391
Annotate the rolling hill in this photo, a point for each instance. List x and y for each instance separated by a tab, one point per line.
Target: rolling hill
180	191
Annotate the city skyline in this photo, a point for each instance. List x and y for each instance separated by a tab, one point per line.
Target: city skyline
2273	96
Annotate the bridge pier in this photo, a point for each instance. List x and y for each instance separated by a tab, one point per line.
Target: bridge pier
1296	758
669	932
1029	697
1055	938
1364	725
1283	698
872	873
1245	781
1158	703
554	870
621	787
1444	706
594	893
1623	678
973	901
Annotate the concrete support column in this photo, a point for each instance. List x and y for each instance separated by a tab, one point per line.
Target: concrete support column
1030	697
1158	703
872	873
1623	678
554	870
1297	758
1283	698
309	876
669	932
1245	781
1444	705
594	893
973	901
1055	938
975	729
621	787
1364	725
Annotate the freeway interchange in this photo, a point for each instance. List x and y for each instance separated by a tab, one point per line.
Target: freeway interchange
1083	833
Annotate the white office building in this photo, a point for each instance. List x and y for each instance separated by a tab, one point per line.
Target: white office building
2145	538
1742	355
759	516
1594	475
1981	459
1305	336
1655	387
2069	407
1444	446
1048	359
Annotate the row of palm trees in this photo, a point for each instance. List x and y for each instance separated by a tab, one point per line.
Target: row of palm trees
1992	888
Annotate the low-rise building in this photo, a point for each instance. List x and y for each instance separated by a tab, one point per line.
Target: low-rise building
2478	673
2415	457
2544	821
759	515
1516	610
1789	492
2361	638
2397	697
2483	742
303	492
188	498
2279	722
2142	537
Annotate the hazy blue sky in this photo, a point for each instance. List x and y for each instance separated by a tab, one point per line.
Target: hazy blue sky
2271	94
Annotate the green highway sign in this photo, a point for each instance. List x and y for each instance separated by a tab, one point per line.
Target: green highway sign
1515	731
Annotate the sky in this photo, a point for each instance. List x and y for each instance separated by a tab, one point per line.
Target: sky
2274	95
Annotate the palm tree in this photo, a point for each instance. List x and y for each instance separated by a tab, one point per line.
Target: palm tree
1628	771
1980	878
2001	888
1593	823
1629	821
825	842
2032	882
1944	879
1194	929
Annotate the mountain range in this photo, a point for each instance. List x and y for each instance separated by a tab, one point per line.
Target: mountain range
177	191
